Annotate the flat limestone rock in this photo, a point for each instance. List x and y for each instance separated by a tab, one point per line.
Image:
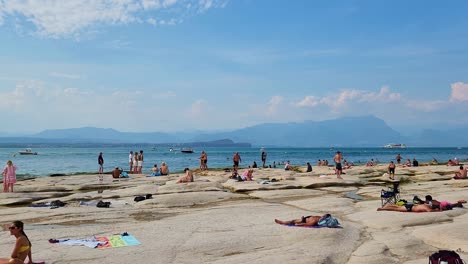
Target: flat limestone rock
17	198
324	204
197	186
373	259
245	186
289	193
402	244
446	235
188	199
15	201
431	177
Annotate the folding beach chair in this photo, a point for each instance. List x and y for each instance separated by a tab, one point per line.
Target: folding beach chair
391	195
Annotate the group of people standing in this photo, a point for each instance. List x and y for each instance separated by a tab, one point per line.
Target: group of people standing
135	161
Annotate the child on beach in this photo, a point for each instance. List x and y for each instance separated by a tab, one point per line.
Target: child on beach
9	179
391	170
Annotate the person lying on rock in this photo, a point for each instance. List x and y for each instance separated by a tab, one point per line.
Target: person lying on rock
416	208
311	220
188	176
443	205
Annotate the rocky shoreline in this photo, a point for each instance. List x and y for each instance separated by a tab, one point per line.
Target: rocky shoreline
219	220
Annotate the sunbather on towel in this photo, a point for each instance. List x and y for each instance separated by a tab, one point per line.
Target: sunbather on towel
443	205
311	220
22	247
416	208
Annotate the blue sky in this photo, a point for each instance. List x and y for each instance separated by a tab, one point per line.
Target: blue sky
178	65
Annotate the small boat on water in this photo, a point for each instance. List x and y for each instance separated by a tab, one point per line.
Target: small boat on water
186	150
392	145
27	151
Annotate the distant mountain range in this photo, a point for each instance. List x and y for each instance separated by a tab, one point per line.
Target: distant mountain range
364	131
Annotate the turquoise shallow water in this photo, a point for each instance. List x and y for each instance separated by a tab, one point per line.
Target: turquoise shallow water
69	159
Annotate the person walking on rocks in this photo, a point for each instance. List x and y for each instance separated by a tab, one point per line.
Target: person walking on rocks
9	178
391	170
101	166
338	168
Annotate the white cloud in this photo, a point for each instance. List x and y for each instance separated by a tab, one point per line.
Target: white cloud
152	21
308	101
59	18
274	104
459	92
345	97
426	106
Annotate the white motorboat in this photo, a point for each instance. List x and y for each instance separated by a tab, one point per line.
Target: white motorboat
393	145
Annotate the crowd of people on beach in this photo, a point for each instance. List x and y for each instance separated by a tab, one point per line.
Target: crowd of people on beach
135	160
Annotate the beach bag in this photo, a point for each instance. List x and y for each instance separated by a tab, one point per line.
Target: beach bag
328	221
57	203
139	198
102	204
445	257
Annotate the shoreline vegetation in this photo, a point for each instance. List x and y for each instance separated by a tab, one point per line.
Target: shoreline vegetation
220	220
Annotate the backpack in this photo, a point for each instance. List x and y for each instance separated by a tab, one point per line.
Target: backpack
328	221
445	256
139	198
102	204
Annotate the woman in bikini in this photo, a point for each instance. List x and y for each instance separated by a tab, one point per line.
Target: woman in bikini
22	247
415	208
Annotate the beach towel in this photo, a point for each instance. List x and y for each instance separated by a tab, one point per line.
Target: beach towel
316	226
115	241
122	240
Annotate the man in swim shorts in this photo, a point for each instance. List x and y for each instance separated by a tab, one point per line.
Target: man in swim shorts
311	220
236	159
338	169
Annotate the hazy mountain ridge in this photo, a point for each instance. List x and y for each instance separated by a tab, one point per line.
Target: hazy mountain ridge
363	131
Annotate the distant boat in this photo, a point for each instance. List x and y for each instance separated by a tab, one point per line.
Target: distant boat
186	150
392	145
27	151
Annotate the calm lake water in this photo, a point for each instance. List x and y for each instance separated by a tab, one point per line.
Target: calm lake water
70	159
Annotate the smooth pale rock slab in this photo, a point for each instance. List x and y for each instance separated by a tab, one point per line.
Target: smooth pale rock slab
172	187
17	198
430	177
402	244
245	186
15	201
324	204
370	249
188	199
202	236
446	235
373	259
339	189
290	193
397	220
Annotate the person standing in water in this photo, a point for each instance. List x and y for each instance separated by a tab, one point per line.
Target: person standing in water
264	155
